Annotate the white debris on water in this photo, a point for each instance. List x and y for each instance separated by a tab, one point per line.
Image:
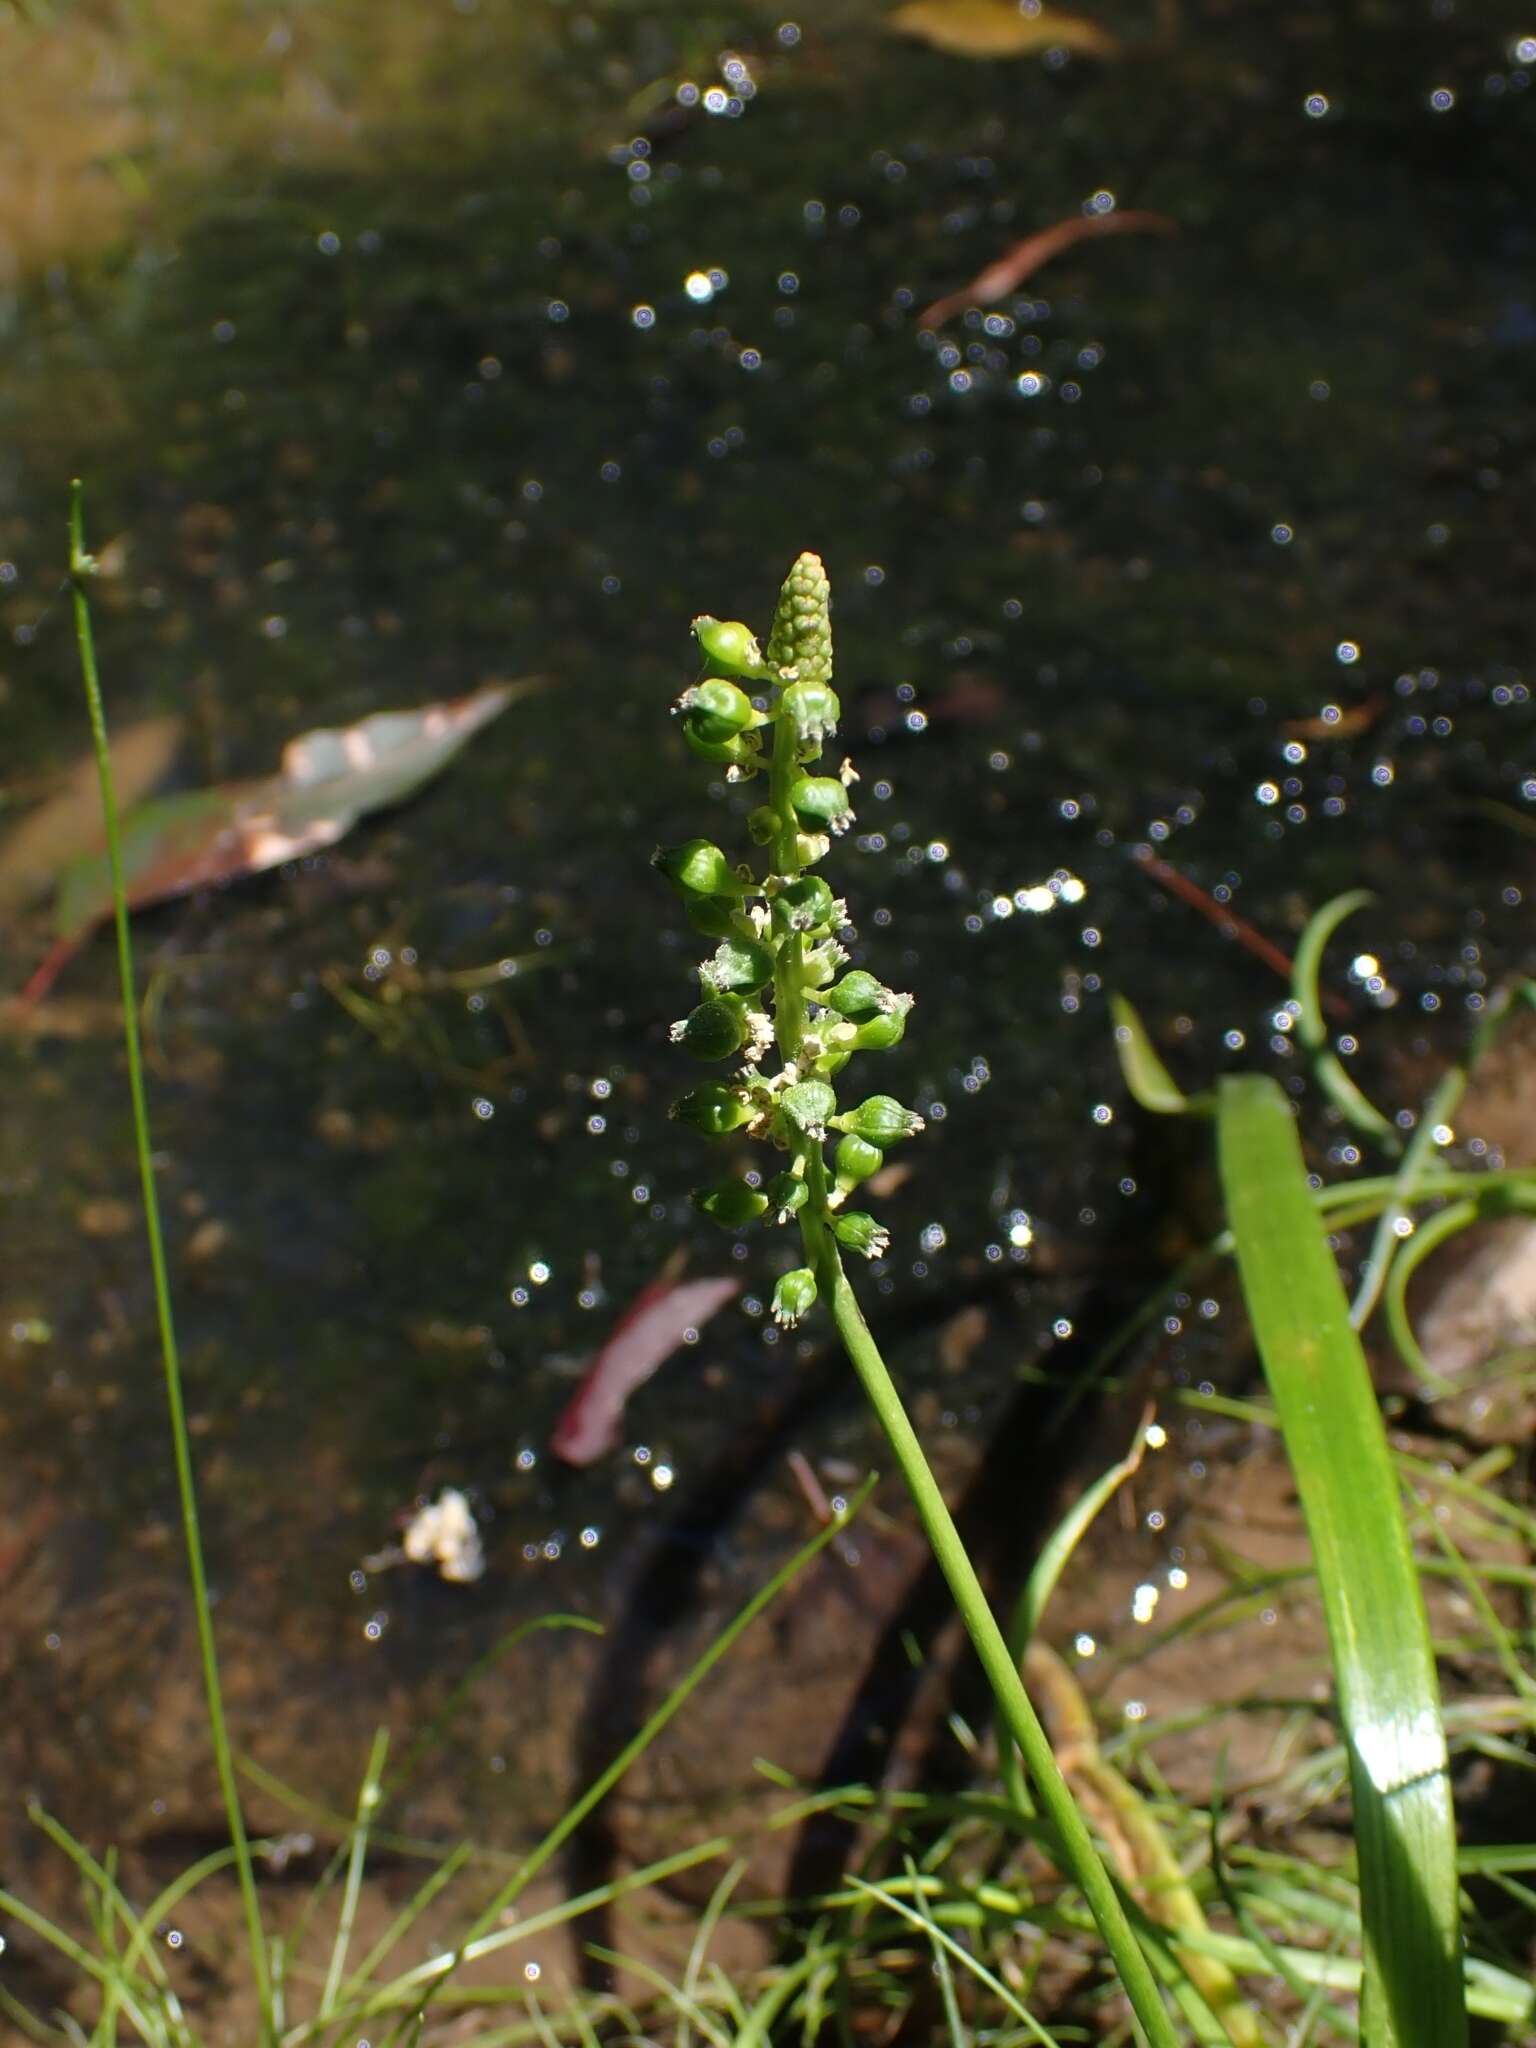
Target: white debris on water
444	1534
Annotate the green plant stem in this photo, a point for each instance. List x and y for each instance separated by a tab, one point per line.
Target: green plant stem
81	567
987	1637
825	1261
789	958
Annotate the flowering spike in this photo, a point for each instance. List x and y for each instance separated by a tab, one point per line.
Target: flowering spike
775	991
802	626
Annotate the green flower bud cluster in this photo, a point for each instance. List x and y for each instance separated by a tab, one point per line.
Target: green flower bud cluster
774	994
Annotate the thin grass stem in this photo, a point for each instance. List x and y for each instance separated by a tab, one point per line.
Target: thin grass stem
367	1801
81	567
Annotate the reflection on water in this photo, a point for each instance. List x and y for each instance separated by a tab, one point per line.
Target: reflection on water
1215	544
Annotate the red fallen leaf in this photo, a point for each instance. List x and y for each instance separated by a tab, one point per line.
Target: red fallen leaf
1026	257
643	1338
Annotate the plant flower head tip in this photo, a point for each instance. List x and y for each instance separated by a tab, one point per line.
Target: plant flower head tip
774	992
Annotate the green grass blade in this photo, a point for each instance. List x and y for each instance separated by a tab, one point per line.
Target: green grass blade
1142	1071
926	1923
81	567
474	1940
1383	1666
1311	1023
1312	1027
367	1804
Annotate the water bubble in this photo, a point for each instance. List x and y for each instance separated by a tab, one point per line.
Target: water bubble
1315	105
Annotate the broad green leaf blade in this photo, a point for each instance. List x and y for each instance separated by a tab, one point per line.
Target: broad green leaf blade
1383	1667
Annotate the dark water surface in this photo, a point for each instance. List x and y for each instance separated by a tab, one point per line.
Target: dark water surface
374	434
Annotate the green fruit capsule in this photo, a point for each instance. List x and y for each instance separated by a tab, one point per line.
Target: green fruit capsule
713	1111
740	966
721	708
807	1105
787	1193
881	1119
821	803
742	750
714	1030
711	915
821	963
803	905
861	1233
730	1203
763	825
698	868
794	1296
813	709
880	1032
854	1160
731	646
859	995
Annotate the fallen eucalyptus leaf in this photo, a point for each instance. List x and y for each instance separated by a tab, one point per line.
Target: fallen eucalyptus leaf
328	780
68	823
998	28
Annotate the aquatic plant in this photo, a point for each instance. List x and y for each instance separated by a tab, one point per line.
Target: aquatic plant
943	1899
774	995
